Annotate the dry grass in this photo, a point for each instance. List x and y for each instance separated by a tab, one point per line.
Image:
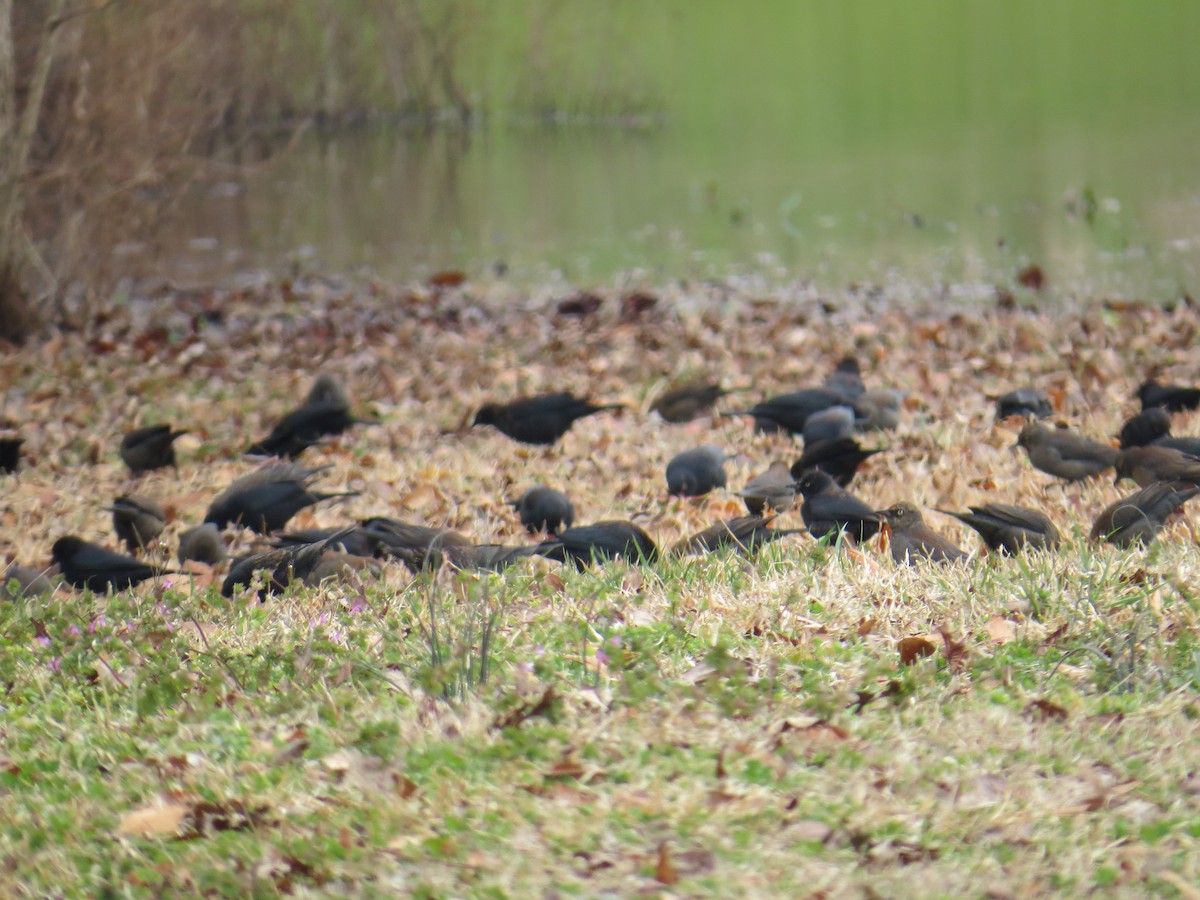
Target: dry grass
704	727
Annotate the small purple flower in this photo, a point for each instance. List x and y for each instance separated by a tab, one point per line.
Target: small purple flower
43	640
615	640
357	608
98	622
601	656
56	664
73	630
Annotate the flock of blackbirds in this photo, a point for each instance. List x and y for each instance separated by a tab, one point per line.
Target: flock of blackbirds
829	417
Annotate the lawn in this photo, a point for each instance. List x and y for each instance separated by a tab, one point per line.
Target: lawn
812	721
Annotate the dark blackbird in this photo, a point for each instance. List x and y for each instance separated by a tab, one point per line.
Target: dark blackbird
137	521
98	569
878	410
303	427
603	540
1025	402
202	543
1137	519
327	389
695	472
747	533
538	420
1153	426
1009	529
10	453
543	509
774	489
149	448
846	379
284	564
483	557
911	539
686	403
1064	453
789	412
354	542
265	500
831	424
839	459
1172	397
30	582
1146	465
828	509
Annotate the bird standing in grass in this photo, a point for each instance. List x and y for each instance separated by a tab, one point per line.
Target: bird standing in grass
829	509
611	539
912	539
137	520
149	448
1137	519
91	567
1065	454
774	489
539	420
696	472
543	509
266	499
1009	529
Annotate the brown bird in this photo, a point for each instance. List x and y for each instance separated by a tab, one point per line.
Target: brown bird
1009	529
137	520
25	581
1137	519
911	539
878	410
846	379
1064	453
1146	465
149	448
747	533
283	564
774	489
202	543
685	403
342	567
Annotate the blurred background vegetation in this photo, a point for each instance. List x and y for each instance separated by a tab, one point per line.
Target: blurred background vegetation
840	139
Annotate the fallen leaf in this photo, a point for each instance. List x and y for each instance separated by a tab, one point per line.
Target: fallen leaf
154	821
810	831
664	872
1001	630
913	648
1044	710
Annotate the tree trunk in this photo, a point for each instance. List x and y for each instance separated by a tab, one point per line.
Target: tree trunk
19	314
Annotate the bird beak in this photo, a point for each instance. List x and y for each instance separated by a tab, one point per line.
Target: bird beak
1118	479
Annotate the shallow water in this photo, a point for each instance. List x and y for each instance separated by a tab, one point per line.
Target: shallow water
933	141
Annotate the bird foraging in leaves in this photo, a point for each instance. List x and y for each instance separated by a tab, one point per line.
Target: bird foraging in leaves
91	567
10	453
610	539
789	412
831	424
1153	427
355	541
1009	529
543	509
911	539
1146	465
303	427
686	403
1172	397
1137	519
137	520
149	448
1065	454
30	582
266	499
839	459
538	420
284	564
203	544
846	379
747	533
829	509
695	472
1025	402
774	489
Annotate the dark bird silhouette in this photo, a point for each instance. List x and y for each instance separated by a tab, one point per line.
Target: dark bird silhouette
686	403
1139	518
266	499
747	533
149	448
831	424
1172	397
839	459
1024	402
538	420
285	564
610	539
877	410
828	509
10	453
327	389
1146	465
137	521
1009	529
98	569
789	412
774	489
202	543
481	557
418	546
30	582
1153	427
356	541
543	509
912	539
342	567
846	379
303	427
695	472
1064	453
